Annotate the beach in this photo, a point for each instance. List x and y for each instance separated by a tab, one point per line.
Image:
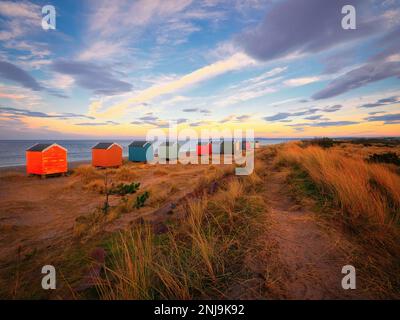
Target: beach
61	221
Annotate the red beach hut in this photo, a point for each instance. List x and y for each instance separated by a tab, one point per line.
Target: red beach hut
204	148
46	158
107	154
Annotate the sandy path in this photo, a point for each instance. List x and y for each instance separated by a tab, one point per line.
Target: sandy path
308	255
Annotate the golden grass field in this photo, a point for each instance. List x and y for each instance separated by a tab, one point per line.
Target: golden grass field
284	232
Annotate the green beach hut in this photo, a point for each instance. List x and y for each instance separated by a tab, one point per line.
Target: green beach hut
141	151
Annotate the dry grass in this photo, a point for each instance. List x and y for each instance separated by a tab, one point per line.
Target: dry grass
368	195
362	196
199	257
87	173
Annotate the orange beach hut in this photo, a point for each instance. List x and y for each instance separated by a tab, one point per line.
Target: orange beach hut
107	154
46	158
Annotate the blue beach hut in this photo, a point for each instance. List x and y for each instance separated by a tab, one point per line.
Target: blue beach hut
141	151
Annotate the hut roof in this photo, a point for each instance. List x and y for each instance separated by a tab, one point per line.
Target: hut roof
203	143
105	145
39	147
139	143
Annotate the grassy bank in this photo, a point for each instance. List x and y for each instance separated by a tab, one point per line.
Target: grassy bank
200	255
359	195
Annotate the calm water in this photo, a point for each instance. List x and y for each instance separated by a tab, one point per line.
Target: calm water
12	152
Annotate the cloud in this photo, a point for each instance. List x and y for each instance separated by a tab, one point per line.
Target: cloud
382	102
316	117
152	120
278	116
7	111
88	124
334	108
376	112
285	115
380	66
19	18
387	118
338	61
243	117
305	26
333	123
13	73
204	111
324	124
227	119
199	123
235	118
102	49
235	62
11	96
170	22
190	110
99	79
297	82
251	88
359	77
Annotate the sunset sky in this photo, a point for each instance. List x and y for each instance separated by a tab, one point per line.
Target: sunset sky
285	68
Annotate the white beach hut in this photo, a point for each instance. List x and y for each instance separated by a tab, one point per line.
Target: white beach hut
168	151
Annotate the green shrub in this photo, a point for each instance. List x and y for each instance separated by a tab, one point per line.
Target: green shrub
322	142
124	189
141	199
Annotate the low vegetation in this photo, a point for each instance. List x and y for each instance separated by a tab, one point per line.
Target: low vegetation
388	157
198	256
367	194
321	142
363	196
124	189
141	199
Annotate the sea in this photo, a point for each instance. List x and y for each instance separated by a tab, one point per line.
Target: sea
12	152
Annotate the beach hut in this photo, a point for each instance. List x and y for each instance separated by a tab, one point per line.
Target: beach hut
246	145
141	151
230	147
257	144
107	154
216	147
203	148
168	151
46	158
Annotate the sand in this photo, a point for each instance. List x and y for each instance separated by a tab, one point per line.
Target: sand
37	216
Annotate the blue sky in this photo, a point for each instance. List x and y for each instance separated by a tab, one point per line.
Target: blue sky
285	68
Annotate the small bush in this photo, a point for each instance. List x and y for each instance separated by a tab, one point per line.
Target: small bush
322	142
388	157
141	199
124	189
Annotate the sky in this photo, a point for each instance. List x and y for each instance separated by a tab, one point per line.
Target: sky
116	69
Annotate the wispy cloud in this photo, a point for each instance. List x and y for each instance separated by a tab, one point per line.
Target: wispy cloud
382	102
7	111
290	28
99	79
387	118
13	73
232	63
296	82
96	124
20	18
